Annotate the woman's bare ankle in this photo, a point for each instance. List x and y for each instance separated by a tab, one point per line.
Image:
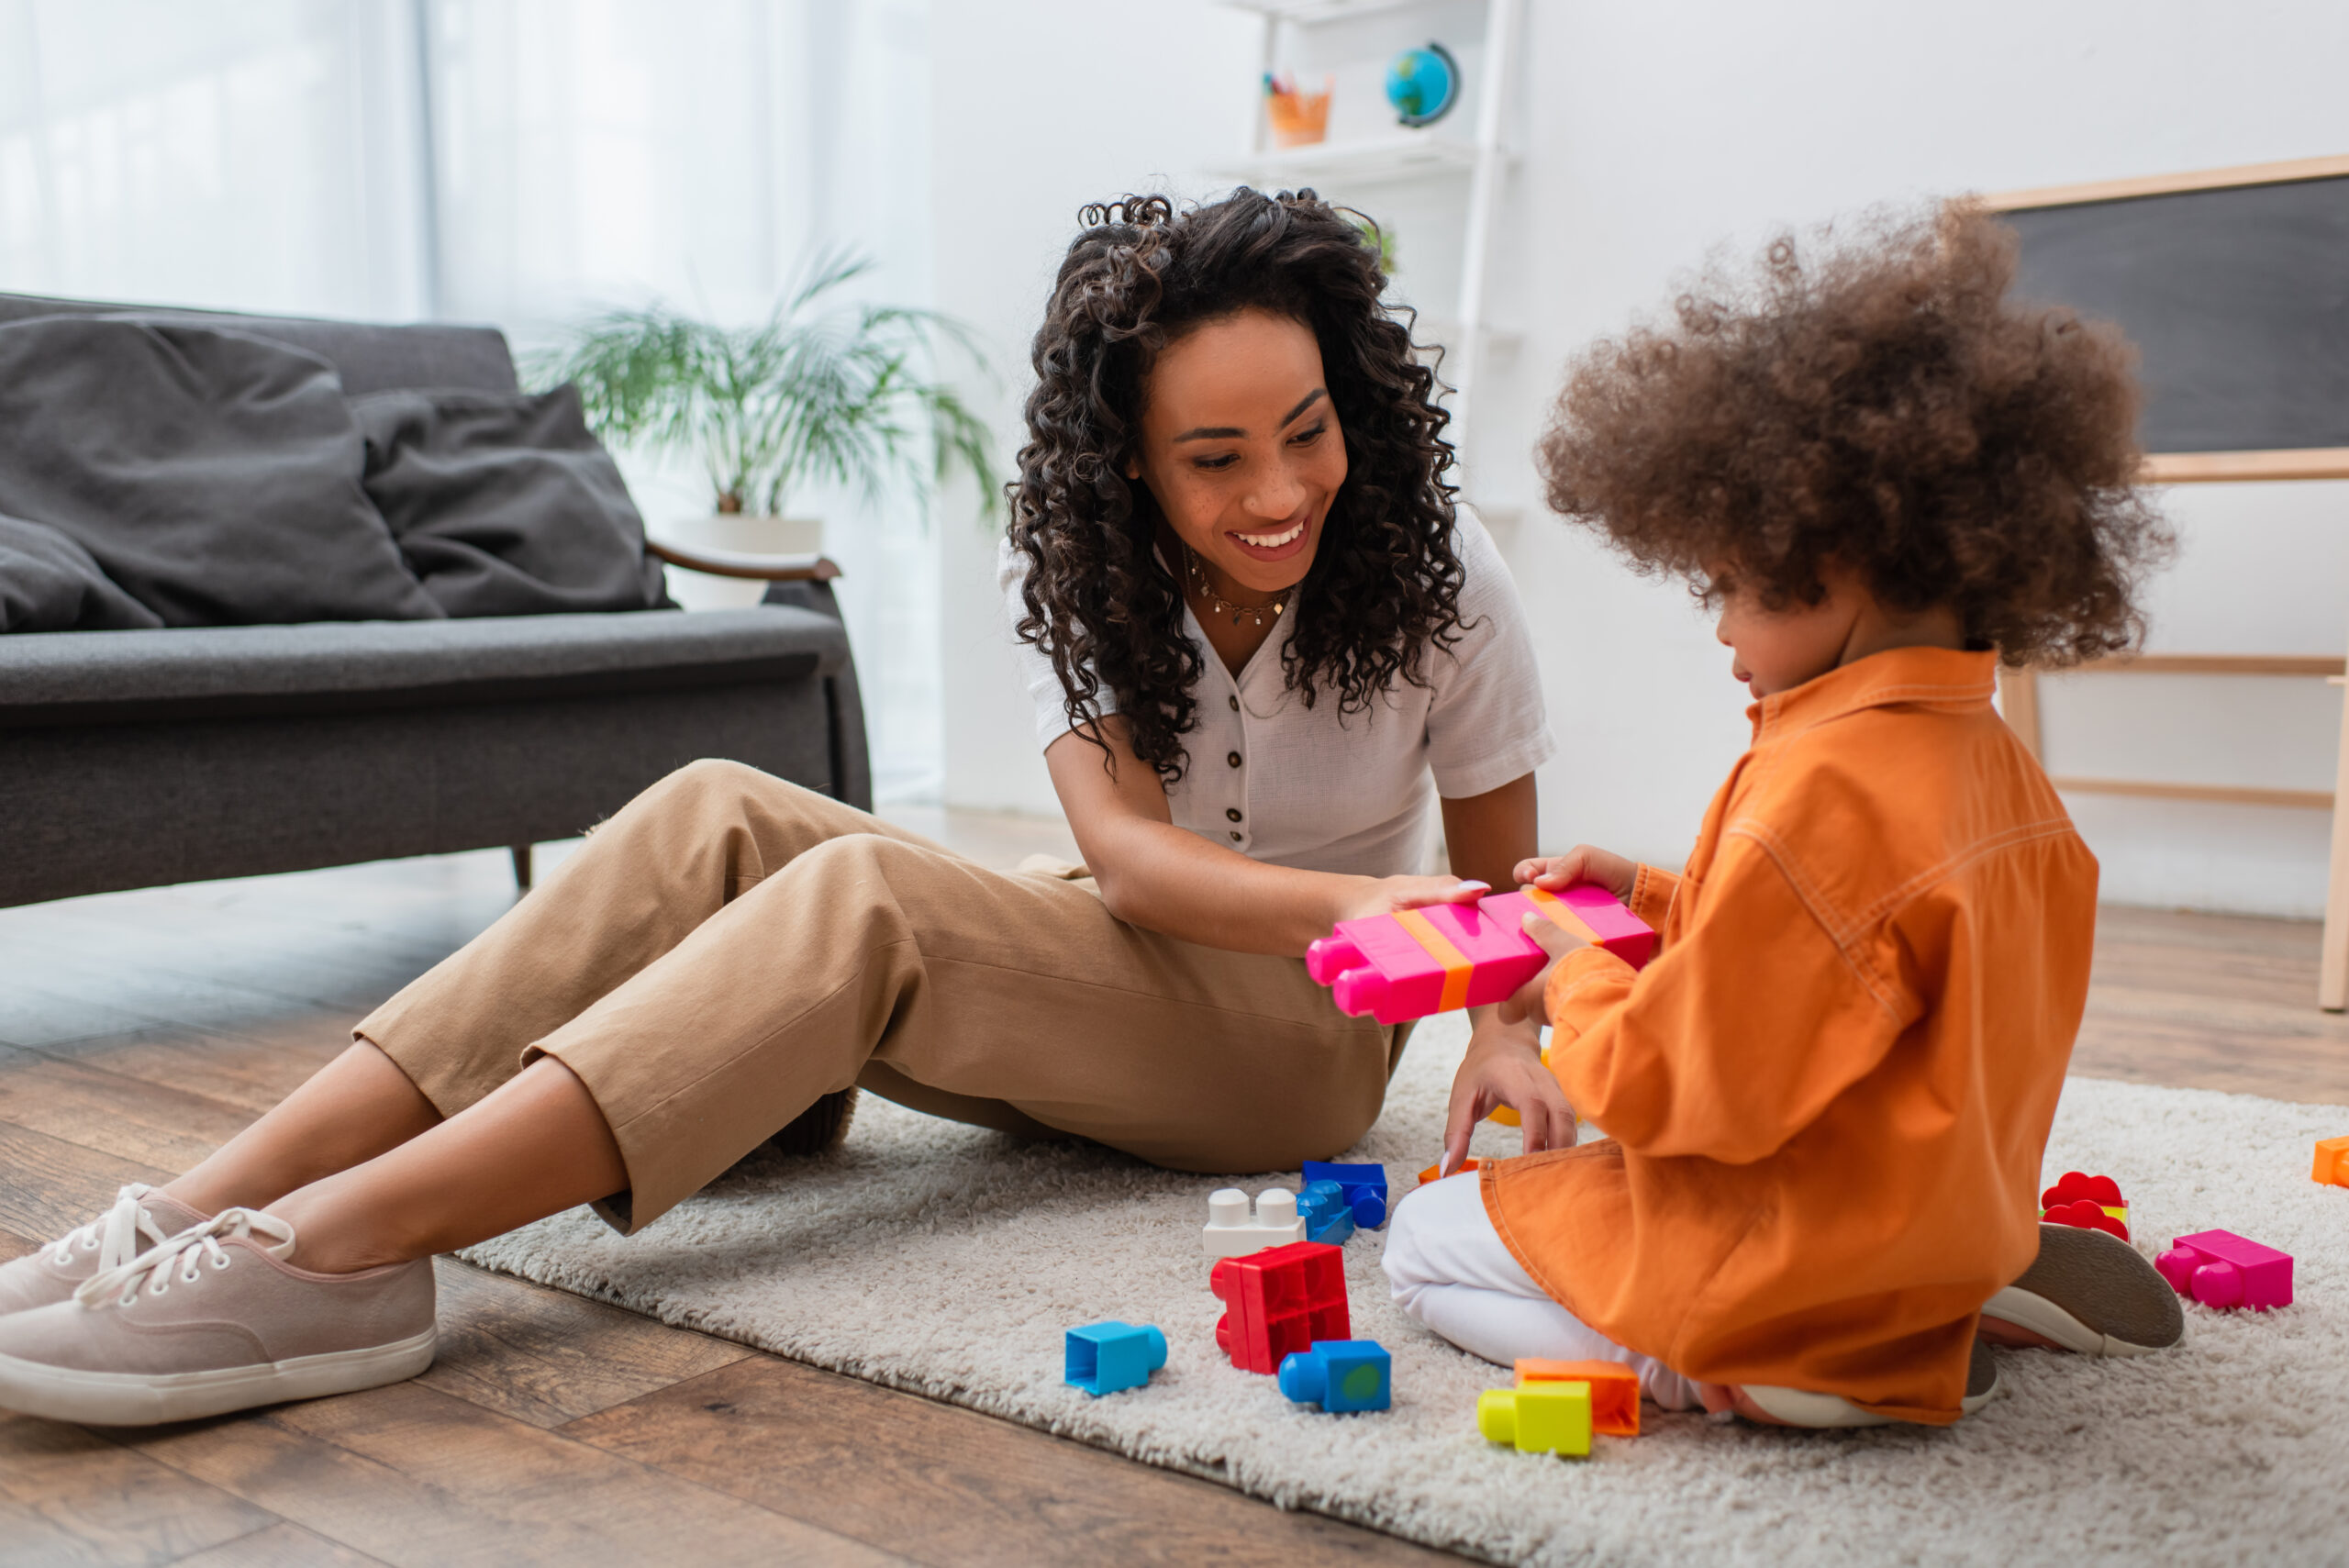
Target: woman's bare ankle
192	1194
325	1243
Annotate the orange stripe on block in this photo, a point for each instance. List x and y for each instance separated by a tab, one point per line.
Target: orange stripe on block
1561	913
1456	967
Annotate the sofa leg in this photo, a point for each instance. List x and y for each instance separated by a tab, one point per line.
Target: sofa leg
522	867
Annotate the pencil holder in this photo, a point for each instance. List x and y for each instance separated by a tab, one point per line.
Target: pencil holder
1299	119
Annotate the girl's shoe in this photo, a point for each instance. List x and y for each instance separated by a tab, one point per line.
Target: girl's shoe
2088	1291
141	1216
1800	1408
211	1320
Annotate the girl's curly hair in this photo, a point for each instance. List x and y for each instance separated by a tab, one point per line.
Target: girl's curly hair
1384	583
1881	404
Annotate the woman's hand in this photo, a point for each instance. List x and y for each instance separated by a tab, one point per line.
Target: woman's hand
1504	1067
1584	862
1388	895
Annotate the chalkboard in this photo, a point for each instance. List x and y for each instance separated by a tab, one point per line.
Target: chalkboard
2237	298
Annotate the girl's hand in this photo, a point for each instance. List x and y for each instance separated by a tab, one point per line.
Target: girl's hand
1504	1067
1581	863
1557	942
1388	895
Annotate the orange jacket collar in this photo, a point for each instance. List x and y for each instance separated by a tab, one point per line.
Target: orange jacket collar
1934	677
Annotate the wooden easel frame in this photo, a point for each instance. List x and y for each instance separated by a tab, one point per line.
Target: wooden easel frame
2019	689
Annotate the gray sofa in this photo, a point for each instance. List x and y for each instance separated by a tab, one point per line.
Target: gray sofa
130	758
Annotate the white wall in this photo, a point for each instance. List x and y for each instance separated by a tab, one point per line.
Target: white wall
1073	102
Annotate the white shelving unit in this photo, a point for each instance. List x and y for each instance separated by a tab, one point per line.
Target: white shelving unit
1398	157
1434	152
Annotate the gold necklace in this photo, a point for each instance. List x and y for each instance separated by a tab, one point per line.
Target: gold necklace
1198	571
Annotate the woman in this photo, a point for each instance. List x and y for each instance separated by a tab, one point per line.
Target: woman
1259	641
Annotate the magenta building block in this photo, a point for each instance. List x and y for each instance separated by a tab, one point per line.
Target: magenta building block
1376	966
1373	967
1617	930
2218	1268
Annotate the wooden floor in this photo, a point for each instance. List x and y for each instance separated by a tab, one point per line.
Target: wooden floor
137	1030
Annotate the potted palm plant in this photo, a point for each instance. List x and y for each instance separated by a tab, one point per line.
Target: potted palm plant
824	391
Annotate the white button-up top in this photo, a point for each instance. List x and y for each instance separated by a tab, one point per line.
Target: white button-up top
1312	788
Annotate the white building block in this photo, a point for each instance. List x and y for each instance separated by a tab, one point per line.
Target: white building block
1230	1232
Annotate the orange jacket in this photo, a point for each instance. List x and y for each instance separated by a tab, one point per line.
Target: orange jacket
1828	1095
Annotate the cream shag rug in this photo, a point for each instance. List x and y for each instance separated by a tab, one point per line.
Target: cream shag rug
948	1261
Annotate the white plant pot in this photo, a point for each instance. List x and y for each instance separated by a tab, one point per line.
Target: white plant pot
742	533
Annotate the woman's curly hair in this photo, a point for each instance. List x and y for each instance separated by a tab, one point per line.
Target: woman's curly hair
1883	405
1385	583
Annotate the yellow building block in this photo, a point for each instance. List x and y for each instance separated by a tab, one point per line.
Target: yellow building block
1538	1418
2332	1162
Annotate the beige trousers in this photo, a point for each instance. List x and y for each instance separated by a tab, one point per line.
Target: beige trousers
728	947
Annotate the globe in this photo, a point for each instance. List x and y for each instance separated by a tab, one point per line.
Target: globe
1422	84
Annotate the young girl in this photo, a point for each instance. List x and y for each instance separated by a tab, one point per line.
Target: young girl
1828	1095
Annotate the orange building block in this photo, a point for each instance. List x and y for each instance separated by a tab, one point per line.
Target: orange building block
2332	1162
1470	1163
1614	1391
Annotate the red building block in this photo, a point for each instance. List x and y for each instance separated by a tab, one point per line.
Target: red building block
2102	1191
2218	1268
1448	956
2085	1216
2332	1162
1614	1391
1279	1301
2091	1202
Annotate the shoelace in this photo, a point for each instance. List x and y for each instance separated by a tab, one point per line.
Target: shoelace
182	1256
114	1234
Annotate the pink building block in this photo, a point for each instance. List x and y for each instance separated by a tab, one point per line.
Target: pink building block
2218	1268
1448	956
1604	919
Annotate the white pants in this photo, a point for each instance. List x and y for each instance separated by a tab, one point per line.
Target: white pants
1450	1270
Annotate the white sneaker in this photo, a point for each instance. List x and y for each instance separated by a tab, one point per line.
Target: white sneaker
141	1216
211	1320
1801	1407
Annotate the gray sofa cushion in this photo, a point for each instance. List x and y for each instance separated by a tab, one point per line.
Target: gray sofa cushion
214	477
50	584
110	677
504	504
368	358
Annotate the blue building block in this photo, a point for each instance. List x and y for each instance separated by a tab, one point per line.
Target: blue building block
1104	1357
1322	1206
1364	1186
1339	1375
